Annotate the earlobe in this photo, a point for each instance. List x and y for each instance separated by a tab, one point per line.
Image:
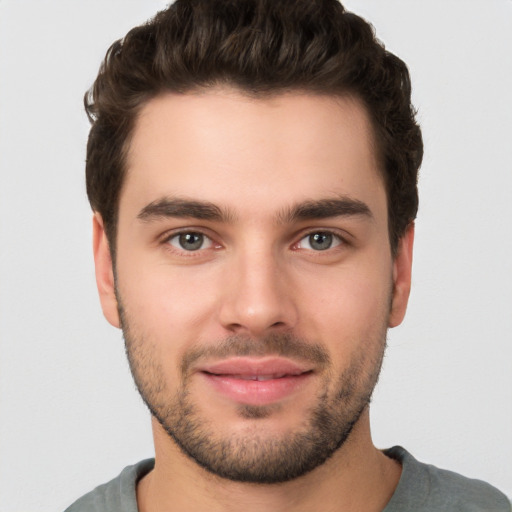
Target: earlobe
402	268
104	271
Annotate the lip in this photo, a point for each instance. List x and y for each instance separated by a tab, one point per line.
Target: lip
256	381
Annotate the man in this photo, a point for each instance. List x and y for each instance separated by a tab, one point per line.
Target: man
252	168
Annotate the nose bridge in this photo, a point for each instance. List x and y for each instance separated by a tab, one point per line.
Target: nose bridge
258	294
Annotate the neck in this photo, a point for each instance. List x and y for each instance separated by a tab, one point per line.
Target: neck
356	477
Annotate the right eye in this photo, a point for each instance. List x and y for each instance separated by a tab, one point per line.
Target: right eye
190	241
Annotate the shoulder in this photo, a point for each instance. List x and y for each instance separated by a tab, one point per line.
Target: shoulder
117	495
427	488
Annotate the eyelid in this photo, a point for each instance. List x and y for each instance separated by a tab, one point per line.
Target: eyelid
207	242
343	237
169	235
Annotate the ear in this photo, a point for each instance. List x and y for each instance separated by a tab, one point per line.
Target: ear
104	271
402	267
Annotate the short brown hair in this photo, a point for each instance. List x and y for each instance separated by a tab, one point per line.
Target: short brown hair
261	47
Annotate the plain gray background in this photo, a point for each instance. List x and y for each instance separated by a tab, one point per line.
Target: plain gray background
69	416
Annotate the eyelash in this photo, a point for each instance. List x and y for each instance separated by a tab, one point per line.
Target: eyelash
191	231
341	241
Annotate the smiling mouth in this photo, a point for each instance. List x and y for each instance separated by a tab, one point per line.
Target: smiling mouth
256	382
259	378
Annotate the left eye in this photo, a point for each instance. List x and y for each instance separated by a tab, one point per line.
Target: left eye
319	241
190	241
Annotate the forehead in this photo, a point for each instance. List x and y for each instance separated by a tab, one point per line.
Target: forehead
225	147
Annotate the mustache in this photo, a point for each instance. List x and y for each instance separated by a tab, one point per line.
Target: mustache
282	344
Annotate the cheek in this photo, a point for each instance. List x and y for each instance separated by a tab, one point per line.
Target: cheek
164	315
348	307
170	304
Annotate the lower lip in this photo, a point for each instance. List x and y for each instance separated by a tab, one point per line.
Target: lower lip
254	392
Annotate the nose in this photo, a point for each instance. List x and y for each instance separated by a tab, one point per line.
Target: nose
258	295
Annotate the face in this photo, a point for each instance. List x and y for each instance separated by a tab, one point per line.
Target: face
254	280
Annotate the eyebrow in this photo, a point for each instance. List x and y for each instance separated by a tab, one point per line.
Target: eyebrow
204	210
325	208
182	208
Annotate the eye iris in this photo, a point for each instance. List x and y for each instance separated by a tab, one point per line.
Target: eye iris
191	241
320	241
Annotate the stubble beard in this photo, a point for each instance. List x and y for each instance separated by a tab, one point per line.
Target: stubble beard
252	456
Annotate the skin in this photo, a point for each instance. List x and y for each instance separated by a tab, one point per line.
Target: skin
257	275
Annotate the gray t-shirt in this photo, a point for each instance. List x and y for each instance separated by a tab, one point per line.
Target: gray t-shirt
422	488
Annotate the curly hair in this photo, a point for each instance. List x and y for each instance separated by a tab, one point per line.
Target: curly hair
261	47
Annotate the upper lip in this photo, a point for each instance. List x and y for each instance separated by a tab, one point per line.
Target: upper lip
253	367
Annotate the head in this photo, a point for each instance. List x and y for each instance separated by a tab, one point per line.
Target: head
252	166
262	48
